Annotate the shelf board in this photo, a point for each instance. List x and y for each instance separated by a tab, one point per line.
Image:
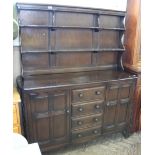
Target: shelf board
69	70
70	9
76	50
70	27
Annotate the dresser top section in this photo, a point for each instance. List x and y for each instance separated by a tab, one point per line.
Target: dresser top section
63	8
72	79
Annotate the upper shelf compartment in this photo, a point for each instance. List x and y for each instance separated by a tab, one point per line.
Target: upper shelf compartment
70	17
32	17
74	19
110	22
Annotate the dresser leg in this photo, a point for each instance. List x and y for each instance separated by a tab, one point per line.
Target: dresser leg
126	133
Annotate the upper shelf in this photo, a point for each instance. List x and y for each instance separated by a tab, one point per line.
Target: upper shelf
31	16
76	50
70	27
61	8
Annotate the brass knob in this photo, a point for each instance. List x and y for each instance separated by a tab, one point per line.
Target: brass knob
96	119
79	122
108	104
97	106
95	131
98	92
79	135
80	109
80	95
67	111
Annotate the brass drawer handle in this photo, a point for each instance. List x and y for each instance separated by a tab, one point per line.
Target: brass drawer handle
98	93
79	135
111	103
67	111
97	106
108	104
80	95
95	131
96	119
79	122
80	109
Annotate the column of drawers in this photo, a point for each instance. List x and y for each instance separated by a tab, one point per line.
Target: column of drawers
87	111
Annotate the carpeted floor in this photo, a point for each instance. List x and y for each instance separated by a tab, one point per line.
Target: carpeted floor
112	145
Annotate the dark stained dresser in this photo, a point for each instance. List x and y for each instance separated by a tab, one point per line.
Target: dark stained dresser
72	84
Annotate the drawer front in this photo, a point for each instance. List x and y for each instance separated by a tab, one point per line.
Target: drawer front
88	94
86	121
87	108
78	135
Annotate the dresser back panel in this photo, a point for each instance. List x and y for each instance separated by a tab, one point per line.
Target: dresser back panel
69	39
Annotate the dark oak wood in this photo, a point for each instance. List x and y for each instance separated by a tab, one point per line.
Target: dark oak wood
73	86
87	31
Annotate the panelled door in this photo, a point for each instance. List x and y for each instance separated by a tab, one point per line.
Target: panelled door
110	107
50	117
124	106
117	108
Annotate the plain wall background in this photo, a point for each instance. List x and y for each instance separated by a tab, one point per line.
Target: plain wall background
105	4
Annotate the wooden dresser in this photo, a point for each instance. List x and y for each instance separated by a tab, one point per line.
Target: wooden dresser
72	85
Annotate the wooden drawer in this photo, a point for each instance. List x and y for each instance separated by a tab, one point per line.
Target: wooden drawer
91	132
86	121
87	108
88	94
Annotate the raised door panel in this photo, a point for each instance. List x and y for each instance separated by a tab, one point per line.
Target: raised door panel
112	91
43	130
110	108
59	126
60	107
122	110
110	115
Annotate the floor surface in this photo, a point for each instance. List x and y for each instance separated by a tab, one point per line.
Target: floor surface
112	145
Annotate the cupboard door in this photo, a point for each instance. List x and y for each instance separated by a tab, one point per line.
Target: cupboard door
124	104
60	118
49	112
117	110
110	107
